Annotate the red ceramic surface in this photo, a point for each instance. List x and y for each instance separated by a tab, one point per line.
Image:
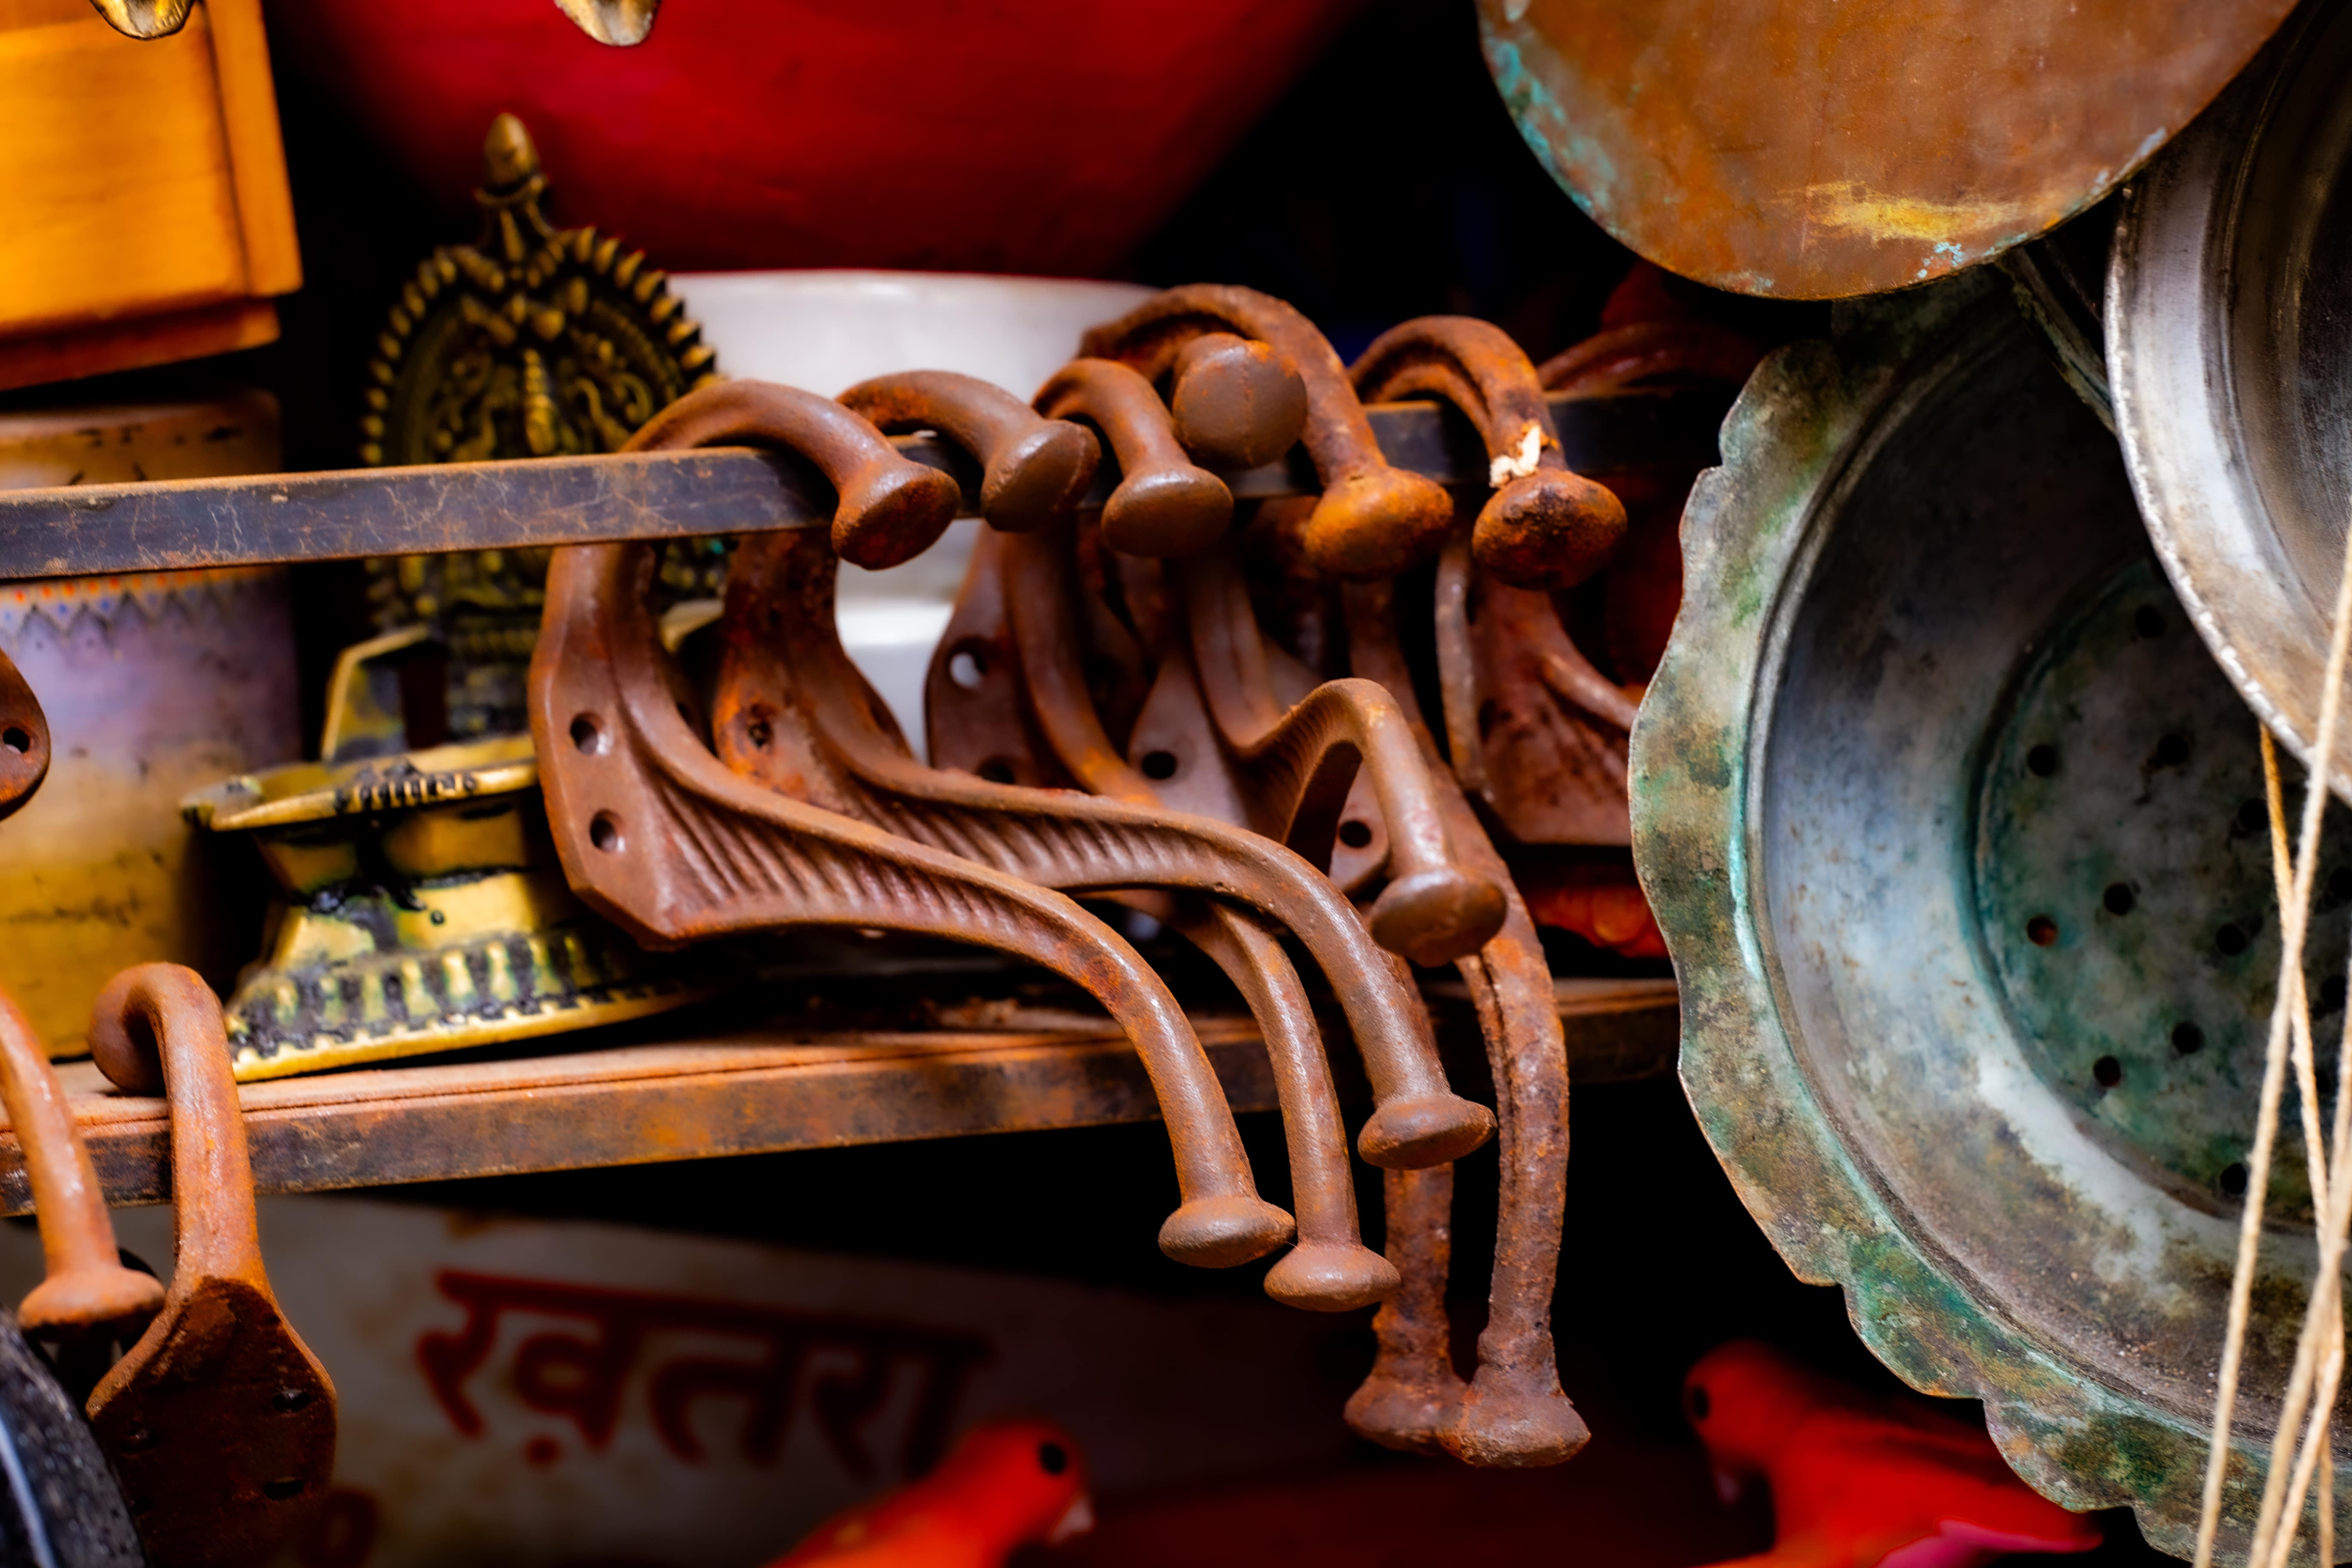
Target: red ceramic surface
1020	136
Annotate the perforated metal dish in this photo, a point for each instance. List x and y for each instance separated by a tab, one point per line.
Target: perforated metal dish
1944	814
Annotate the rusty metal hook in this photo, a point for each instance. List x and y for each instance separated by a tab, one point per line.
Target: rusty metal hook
1513	1412
1373	521
87	1291
793	713
219	1421
1298	763
1164	505
655	832
1035	471
1544	526
1400	1057
1237	403
24	739
890	509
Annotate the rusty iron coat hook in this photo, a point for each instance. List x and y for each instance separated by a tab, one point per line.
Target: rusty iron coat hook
1398	1052
1373	521
1036	469
1513	1412
87	1291
793	713
1163	505
1298	764
890	509
1520	699
24	739
219	1422
655	832
1544	526
1237	403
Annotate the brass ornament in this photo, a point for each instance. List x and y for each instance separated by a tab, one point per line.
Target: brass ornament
421	908
618	22
533	342
162	18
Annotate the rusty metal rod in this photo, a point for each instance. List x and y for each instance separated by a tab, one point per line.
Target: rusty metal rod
90	530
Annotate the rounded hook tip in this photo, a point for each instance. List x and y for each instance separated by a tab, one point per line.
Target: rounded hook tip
1548	529
1375	524
1416	1133
1226	1231
1436	916
1331	1276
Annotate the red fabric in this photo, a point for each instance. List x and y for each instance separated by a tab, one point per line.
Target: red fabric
1041	136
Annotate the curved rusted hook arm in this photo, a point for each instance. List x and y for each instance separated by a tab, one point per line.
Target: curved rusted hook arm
1163	505
1513	1413
1544	526
1033	470
792	712
891	509
655	833
220	1419
782	653
1300	761
87	1288
1373	521
24	739
157	1029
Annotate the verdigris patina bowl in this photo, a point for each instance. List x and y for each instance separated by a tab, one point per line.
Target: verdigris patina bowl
1956	833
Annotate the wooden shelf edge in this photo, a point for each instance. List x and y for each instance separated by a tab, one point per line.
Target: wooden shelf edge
758	1092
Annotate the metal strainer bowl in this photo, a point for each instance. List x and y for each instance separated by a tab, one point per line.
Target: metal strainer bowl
1956	832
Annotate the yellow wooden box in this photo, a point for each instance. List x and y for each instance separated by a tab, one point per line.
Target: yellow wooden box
148	217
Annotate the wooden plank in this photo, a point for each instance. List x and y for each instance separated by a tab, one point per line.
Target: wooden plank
257	150
768	1089
136	341
116	170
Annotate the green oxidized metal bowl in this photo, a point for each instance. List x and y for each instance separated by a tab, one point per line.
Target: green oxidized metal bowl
1956	833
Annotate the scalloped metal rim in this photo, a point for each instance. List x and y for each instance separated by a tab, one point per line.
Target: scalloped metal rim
1810	411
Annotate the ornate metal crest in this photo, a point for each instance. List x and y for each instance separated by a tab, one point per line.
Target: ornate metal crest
532	341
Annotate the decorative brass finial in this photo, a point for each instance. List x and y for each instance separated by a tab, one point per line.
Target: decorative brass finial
162	18
532	341
620	22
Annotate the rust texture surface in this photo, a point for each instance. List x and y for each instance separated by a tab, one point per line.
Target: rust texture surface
1809	149
751	1088
219	1421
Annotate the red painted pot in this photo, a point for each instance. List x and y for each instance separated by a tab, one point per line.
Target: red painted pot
1041	136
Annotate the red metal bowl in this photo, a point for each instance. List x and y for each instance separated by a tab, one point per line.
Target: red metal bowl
1041	136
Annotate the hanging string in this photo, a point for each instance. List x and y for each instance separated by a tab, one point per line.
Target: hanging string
2294	919
2315	1162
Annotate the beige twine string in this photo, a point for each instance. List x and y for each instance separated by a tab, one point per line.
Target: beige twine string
2315	1164
2286	1007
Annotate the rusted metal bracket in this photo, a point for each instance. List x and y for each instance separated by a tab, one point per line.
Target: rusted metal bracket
345	515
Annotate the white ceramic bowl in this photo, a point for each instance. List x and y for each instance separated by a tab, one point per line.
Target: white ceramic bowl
827	330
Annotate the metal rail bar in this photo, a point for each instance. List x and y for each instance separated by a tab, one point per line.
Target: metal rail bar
90	530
